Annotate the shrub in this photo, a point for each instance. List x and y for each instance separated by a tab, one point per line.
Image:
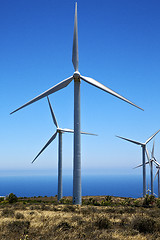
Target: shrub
108	198
126	202
95	202
103	222
1	199
7	212
92	201
68	209
123	221
77	219
143	224
105	203
149	199
136	203
19	226
12	198
19	215
44	207
62	201
63	226
158	202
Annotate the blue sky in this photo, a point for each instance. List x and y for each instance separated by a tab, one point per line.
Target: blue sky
119	46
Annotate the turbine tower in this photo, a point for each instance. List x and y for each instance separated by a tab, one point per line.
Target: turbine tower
151	165
77	77
143	145
59	131
150	162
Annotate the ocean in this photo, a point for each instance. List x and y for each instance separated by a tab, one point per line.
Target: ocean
92	185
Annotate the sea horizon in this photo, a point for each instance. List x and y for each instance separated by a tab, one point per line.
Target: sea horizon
92	185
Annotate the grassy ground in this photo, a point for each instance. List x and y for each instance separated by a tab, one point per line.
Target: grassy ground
99	217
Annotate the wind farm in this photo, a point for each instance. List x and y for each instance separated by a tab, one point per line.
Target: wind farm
105	109
62	54
77	78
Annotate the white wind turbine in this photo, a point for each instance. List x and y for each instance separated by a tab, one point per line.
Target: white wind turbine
59	131
150	162
143	145
157	173
77	77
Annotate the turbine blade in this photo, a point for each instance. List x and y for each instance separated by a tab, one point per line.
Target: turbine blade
155	162
149	139
149	160
147	155
53	89
47	144
153	149
52	113
106	89
72	131
140	165
93	134
75	59
156	174
132	141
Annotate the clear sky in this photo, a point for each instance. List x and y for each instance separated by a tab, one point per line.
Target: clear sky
119	46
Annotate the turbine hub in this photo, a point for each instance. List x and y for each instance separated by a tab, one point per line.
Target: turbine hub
59	130
76	76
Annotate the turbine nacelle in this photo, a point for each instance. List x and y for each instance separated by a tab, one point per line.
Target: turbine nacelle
143	145
60	130
76	76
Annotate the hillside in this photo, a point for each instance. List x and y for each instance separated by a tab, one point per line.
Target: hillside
99	217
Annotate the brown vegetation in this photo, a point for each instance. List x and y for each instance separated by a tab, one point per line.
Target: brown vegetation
99	217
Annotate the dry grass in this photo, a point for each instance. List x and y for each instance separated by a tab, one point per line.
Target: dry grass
45	219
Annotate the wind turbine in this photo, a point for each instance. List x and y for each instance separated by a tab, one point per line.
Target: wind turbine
77	77
157	173
150	162
59	131
143	145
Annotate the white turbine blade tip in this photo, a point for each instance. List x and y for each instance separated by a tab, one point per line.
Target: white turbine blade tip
149	160
156	175
150	138
86	133
52	113
153	148
46	145
130	140
53	89
106	89
75	58
138	166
